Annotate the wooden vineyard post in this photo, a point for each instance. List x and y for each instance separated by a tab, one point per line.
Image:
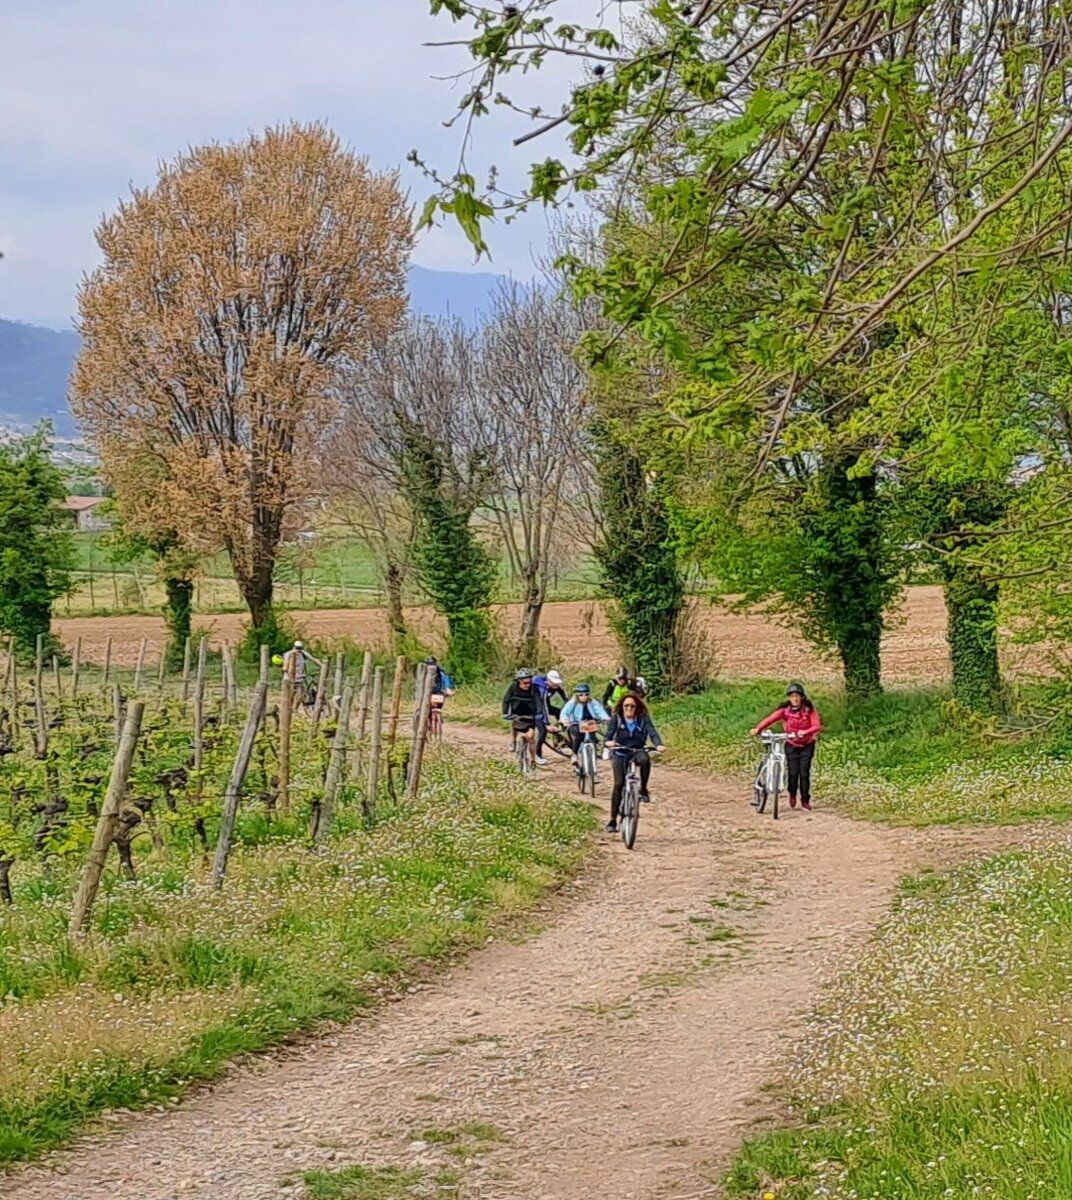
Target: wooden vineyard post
186	671
76	668
321	692
234	784
199	715
107	822
362	711
286	716
232	685
41	745
418	692
117	711
57	680
139	665
420	734
264	663
13	670
107	661
396	701
324	812
373	785
340	666
161	668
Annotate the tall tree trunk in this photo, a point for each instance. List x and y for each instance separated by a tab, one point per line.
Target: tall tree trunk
638	563
972	607
178	614
854	572
528	638
396	619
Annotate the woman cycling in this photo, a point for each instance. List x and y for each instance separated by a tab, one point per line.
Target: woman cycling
582	708
802	725
628	734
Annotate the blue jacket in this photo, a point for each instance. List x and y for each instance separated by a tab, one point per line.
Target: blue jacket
573	713
443	682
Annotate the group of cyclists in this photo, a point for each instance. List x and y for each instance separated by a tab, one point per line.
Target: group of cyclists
530	705
537	704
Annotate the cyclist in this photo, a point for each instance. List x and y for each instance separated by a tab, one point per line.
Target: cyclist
548	685
443	685
295	664
522	704
583	707
630	730
617	688
802	725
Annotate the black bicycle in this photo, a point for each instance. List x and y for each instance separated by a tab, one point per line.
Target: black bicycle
629	809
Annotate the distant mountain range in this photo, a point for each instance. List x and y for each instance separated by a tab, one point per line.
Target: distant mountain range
36	362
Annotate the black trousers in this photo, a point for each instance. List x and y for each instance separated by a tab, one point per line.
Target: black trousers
542	726
798	761
620	762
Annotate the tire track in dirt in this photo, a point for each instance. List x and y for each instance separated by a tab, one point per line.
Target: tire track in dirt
623	1050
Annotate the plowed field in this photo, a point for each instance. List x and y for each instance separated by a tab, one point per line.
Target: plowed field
749	646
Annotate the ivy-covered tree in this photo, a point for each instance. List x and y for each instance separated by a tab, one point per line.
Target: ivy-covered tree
454	568
638	561
412	412
36	545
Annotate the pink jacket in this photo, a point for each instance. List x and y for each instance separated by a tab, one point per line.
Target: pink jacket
802	725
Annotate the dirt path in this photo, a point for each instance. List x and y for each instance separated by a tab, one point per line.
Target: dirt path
622	1050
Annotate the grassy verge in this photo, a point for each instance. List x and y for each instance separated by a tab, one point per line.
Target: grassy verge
177	979
902	759
941	1066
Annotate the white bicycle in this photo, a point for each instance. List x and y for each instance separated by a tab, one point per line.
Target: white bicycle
772	775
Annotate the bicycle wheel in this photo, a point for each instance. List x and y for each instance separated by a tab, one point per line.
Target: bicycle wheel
582	774
630	813
592	770
523	761
774	805
761	791
435	724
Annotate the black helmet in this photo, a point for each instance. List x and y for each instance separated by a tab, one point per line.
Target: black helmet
622	673
798	688
431	661
523	673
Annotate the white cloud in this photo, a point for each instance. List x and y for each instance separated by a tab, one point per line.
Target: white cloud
97	92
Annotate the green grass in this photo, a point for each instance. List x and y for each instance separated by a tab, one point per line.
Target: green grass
175	981
327	572
902	758
364	1183
941	1066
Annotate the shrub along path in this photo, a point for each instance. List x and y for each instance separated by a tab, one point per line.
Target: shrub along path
622	1049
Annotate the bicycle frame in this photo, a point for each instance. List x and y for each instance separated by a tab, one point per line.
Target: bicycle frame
775	761
587	761
773	772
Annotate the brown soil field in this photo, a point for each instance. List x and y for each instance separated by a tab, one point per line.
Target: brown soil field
743	646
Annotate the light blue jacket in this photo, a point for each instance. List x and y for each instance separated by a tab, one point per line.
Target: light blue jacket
573	713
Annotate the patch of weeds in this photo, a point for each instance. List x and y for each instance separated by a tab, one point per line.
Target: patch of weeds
362	1183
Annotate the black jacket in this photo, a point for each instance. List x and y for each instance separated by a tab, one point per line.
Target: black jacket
518	703
645	732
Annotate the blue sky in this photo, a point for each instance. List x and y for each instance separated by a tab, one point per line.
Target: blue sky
94	93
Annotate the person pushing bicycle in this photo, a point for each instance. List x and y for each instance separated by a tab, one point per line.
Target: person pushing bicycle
802	725
631	729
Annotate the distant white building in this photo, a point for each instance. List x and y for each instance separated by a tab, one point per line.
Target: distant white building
86	514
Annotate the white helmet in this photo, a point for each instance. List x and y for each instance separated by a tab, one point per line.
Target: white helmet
555	678
640	684
299	646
